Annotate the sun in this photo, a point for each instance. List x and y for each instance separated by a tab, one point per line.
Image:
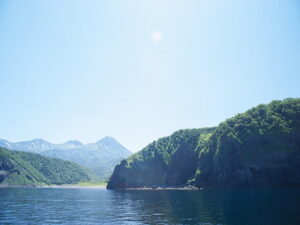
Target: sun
157	36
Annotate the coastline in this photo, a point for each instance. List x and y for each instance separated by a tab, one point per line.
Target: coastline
74	186
183	188
62	186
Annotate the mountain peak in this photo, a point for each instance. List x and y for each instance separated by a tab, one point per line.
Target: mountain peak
107	139
109	143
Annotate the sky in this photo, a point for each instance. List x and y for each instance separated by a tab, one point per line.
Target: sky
139	70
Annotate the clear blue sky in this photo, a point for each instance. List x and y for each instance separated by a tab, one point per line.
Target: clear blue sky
139	70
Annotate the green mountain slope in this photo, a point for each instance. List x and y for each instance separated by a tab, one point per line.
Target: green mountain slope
168	161
30	169
258	148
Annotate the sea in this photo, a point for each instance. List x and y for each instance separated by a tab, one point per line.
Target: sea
74	206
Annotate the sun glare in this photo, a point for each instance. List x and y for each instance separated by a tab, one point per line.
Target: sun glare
157	36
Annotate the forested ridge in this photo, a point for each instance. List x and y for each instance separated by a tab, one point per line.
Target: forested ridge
30	169
260	147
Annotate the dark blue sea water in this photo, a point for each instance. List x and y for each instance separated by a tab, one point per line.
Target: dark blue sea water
95	206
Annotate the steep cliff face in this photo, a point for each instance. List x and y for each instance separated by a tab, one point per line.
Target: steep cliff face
169	161
258	148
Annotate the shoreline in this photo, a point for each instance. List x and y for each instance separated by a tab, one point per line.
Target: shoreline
184	188
63	186
78	186
74	186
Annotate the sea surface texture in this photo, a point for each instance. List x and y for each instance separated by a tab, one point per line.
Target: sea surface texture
95	206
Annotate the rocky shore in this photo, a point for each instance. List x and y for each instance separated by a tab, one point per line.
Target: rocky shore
157	188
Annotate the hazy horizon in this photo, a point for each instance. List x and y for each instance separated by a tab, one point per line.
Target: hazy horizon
140	70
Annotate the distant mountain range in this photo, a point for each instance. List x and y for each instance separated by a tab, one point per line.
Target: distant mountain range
100	157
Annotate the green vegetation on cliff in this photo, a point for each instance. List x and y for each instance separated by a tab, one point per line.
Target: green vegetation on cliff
30	169
170	161
260	147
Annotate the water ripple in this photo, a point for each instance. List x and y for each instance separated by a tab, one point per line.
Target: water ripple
92	207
